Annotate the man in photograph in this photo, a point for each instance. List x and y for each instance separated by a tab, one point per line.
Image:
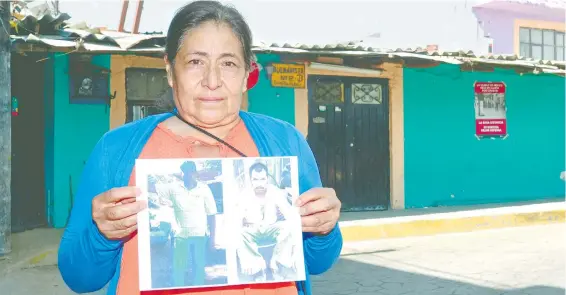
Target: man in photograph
193	204
265	245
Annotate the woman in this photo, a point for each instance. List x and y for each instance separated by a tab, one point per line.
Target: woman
208	61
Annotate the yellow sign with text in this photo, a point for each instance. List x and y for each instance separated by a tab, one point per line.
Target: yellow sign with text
288	75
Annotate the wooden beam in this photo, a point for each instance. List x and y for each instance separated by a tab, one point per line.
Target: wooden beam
123	15
330	60
138	17
5	131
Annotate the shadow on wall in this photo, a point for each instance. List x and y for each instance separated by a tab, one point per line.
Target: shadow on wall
353	277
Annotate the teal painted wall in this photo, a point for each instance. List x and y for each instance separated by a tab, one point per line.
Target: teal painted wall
76	129
265	99
444	162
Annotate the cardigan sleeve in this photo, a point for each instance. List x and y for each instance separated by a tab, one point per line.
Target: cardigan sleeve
321	252
87	260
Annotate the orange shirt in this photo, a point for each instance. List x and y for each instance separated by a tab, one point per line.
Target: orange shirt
164	144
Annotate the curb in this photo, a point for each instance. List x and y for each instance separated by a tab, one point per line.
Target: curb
364	230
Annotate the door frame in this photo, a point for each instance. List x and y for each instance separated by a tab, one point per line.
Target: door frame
347	105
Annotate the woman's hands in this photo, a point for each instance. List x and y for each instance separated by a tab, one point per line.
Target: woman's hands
320	210
115	212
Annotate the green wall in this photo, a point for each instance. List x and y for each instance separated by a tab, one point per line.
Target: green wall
75	130
445	164
275	102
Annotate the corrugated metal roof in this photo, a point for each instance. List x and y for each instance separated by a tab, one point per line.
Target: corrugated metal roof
39	26
54	33
35	17
44	25
96	40
358	49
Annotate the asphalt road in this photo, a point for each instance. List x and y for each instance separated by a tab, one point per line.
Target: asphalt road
514	261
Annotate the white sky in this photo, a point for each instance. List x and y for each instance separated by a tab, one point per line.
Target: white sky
400	23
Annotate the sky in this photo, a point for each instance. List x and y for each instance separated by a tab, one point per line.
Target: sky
399	23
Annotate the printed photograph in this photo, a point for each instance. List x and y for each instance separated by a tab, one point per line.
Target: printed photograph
490	106
217	222
267	240
185	219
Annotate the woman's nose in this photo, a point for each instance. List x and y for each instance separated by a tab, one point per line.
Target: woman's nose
212	77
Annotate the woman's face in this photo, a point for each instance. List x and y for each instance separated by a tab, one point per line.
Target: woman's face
209	75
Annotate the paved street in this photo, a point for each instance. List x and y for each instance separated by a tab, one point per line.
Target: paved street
515	261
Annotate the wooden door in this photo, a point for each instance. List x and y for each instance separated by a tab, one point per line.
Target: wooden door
349	135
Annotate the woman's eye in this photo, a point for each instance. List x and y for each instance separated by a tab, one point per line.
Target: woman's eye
228	64
195	62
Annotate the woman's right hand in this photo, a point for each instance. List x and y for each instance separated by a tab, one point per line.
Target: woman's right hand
115	212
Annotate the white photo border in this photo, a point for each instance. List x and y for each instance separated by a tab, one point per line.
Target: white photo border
146	167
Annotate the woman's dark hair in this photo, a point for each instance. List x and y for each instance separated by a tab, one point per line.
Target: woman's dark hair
195	14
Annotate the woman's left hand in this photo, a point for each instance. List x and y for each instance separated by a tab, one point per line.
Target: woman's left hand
320	210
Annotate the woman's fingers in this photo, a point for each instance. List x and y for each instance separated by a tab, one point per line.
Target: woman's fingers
125	210
115	212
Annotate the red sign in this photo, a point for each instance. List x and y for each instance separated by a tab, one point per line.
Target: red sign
491	127
490	108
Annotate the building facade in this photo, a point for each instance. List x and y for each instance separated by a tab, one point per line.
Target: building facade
61	104
54	131
533	29
396	133
389	130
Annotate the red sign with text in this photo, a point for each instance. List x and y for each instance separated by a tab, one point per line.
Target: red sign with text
490	108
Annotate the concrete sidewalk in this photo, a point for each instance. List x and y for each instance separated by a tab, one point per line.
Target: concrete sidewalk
420	222
34	248
37	248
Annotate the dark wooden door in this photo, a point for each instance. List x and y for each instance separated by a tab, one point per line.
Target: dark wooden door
349	135
28	144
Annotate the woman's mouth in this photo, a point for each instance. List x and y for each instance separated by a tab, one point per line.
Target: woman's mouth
211	99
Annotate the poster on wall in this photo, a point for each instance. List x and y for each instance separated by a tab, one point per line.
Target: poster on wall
490	109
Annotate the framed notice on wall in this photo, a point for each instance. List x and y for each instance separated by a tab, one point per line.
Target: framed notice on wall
288	75
490	109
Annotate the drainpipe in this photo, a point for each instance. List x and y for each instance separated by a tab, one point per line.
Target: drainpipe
138	17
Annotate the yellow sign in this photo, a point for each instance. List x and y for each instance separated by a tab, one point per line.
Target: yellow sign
288	75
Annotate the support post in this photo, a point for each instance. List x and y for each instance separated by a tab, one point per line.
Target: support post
137	19
5	131
123	15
